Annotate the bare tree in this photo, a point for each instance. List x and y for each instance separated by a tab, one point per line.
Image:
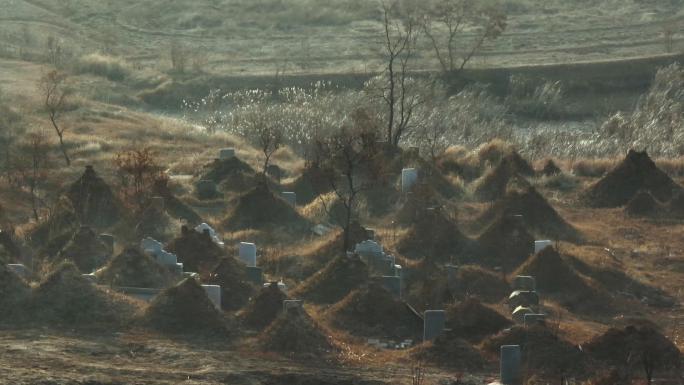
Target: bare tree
53	87
33	166
178	54
54	51
269	137
669	29
445	20
139	170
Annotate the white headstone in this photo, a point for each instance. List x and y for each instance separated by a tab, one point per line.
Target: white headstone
368	248
541	245
281	285
151	246
166	258
214	294
214	237
227	153
520	312
248	254
409	177
320	230
290	197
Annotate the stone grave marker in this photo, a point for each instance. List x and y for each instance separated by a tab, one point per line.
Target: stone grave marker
409	177
524	283
392	283
214	294
520	312
534	319
541	245
452	274
212	233
248	254
290	197
434	323
20	270
523	298
152	246
511	359
292	304
255	275
226	153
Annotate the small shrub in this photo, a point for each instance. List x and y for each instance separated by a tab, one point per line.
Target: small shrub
112	68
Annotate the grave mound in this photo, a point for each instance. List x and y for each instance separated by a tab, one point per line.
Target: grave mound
86	250
539	216
260	208
675	207
174	206
426	285
332	283
93	200
643	204
636	172
507	242
436	236
65	298
155	223
473	321
512	169
543	351
374	312
380	199
422	198
478	282
134	268
55	232
616	345
264	308
309	185
232	174
550	168
296	334
185	309
13	292
197	251
11	248
236	290
450	351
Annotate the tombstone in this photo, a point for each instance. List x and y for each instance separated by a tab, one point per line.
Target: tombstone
452	276
255	275
511	359
281	285
152	246
201	228
534	319
520	312
433	324
108	240
248	254
541	245
292	304
523	298
226	153
157	204
92	278
409	177
392	283
20	270
398	271
177	268
524	283
368	248
206	189
166	258
320	230
290	197
214	294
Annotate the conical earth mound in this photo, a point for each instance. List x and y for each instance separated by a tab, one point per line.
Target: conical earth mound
174	206
450	351
295	333
93	200
472	321
232	174
507	242
185	309
197	251
155	223
512	168
644	204
476	281
264	307
426	285
133	268
236	290
86	250
260	208
636	172
332	283
311	184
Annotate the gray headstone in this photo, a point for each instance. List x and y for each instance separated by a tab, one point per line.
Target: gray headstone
20	270
511	358
207	189
255	275
392	283
409	177
248	254
534	319
167	259
226	153
452	276
214	294
369	248
212	233
541	245
290	197
151	246
433	324
524	283
292	304
108	240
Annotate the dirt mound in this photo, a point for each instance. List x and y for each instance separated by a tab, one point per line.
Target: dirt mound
174	206
539	216
260	208
475	281
512	169
86	250
185	309
675	207
643	204
615	347
264	308
53	234
374	312
450	351
422	198
93	200
236	290
636	172
155	223
550	168
543	351
66	298
133	268
332	283
435	236
507	242
7	242
426	285
197	251
471	320
296	334
13	291
232	174
309	185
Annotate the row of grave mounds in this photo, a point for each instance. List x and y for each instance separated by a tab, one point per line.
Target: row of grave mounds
134	268
540	217
85	249
472	320
643	204
511	169
94	201
293	333
635	173
261	209
371	311
334	281
236	289
185	309
196	250
233	174
506	242
173	206
264	307
544	351
154	222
